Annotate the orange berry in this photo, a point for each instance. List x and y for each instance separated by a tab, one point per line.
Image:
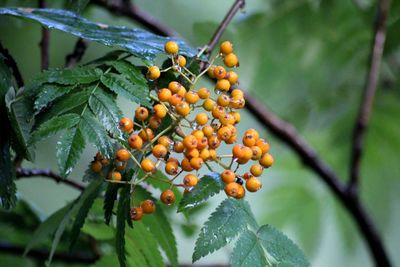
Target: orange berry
146	135
171	168
261	143
241	192
179	147
205	154
237	102
253	184
183	109
210	72
148	165
165	141
208	104
175	99
154	122
96	166
219	72
192	97
174	86
141	113
213	154
159	151
190	142
173	160
116	176
123	154
231	60
231	139
153	73
167	197
126	125
164	94
192	153
224	133
203	93
135	141
266	160
249	140
136	213
236	116
256	153
214	142
223	100
181	61
196	162
228	176
160	111
232	189
202	143
182	91
185	165
198	134
227	119
226	47
201	118
148	206
256	170
223	85
171	47
190	180
237	93
247	153
217	112
208	130
253	132
232	77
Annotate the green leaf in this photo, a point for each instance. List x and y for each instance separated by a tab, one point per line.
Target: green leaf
281	247
48	227
96	134
106	110
68	150
139	238
48	93
7	175
208	186
139	42
159	225
77	75
54	125
109	200
77	5
85	202
125	88
98	230
229	219
130	71
248	251
120	233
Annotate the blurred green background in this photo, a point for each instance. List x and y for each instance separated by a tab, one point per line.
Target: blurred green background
306	60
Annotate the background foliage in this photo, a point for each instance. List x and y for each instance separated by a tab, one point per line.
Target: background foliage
306	60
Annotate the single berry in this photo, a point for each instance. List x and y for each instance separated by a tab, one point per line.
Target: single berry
146	134
190	180
253	184
123	154
190	142
196	162
185	165
175	99
232	77
96	166
203	93
136	213
171	47
126	125
241	192
219	72
148	206
192	97
148	165
208	104
183	109
164	94
141	113
201	118
165	141
228	176
208	130
116	176
153	73
167	197
174	86
256	170
263	145
257	153
214	142
231	60
154	122
266	160
226	47
160	111
232	189
223	85
135	141
181	61
159	151
171	168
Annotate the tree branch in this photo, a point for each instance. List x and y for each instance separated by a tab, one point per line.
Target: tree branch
77	54
10	62
26	173
371	82
44	43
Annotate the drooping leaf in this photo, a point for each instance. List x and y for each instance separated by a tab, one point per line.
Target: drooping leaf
248	251
85	202
96	134
139	42
229	219
125	88
279	246
109	200
77	75
130	71
107	110
208	186
139	238
50	92
54	125
68	150
120	231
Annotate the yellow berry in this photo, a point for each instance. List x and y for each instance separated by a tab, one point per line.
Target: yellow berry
159	151
266	160
164	94
256	170
167	197
181	61
135	141
223	85
203	93
201	118
253	184
231	60
160	111
141	113
228	176
126	125
123	154
191	97
226	47
208	104
153	73
232	189
171	47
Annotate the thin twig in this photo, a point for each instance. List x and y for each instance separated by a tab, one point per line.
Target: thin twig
75	57
26	173
10	62
44	43
371	82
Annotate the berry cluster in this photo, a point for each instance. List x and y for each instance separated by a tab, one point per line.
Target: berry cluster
200	123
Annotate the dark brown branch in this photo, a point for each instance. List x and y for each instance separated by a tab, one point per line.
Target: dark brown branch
77	54
371	82
10	62
43	254
224	23
26	173
44	43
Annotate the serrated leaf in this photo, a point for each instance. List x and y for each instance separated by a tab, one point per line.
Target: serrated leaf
139	238
96	134
280	247
46	228
77	75
229	219
248	251
54	125
120	231
48	93
130	71
159	225
139	42
125	88
7	175
109	201
85	202
207	187
68	150
106	110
